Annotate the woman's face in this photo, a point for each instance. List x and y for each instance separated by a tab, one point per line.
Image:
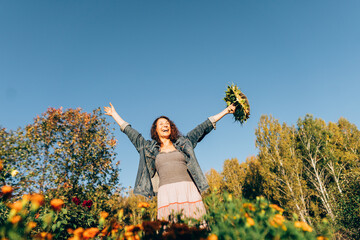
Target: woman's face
163	128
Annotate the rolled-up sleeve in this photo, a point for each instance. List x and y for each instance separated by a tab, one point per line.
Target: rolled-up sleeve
212	120
123	126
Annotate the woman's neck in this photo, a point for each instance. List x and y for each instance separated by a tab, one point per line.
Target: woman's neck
166	144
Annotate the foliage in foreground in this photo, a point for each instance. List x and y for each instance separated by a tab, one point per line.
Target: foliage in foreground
35	217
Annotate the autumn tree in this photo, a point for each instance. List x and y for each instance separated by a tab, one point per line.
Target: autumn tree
282	168
68	152
254	180
313	143
233	176
214	179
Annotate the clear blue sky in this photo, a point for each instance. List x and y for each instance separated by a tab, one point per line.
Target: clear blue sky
175	58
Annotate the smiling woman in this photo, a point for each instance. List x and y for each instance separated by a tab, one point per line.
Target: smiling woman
168	166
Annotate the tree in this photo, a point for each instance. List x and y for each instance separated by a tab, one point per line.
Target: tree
69	153
214	180
282	169
313	144
233	175
253	181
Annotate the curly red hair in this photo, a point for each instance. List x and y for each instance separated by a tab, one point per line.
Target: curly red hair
174	133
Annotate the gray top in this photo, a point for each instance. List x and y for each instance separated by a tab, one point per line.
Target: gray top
171	167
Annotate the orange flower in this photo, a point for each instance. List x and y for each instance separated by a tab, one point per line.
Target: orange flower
26	197
249	206
128	234
105	231
1	165
104	215
16	205
306	228
6	189
90	233
250	221
15	219
297	224
56	204
276	207
129	228
78	231
321	238
32	224
277	220
37	199
116	225
143	205
303	225
45	235
212	237
140	226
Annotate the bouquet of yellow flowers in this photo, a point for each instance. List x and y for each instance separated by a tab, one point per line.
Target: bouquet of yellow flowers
234	95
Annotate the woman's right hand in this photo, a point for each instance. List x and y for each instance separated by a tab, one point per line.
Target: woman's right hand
110	110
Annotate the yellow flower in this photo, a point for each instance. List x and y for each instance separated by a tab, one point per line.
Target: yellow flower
250	221
14	173
212	237
56	204
143	205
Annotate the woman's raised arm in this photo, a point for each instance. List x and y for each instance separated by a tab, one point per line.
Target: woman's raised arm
229	109
112	112
199	132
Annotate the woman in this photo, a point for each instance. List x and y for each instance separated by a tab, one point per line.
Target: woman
168	165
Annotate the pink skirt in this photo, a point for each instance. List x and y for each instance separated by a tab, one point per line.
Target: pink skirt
180	197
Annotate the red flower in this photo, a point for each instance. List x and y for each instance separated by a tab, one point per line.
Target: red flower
87	203
76	200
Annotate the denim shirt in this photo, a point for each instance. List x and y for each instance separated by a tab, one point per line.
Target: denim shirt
147	180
